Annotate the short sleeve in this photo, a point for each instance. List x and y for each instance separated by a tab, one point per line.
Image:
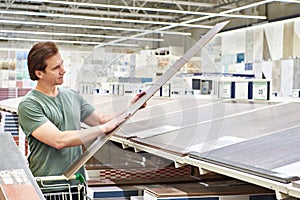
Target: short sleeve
31	116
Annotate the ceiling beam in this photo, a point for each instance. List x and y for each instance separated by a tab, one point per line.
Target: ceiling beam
52	9
188	3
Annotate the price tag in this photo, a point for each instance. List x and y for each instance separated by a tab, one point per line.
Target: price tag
225	90
260	91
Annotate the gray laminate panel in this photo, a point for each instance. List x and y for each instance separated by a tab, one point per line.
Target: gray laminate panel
267	152
262	141
265	156
208	135
160	120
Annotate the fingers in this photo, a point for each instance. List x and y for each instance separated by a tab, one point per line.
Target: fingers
137	96
110	126
114	123
141	94
122	117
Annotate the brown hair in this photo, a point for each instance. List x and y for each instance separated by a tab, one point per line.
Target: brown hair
37	57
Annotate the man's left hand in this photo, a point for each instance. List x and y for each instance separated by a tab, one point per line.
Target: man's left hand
137	96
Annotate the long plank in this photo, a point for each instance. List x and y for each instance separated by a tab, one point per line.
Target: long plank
101	140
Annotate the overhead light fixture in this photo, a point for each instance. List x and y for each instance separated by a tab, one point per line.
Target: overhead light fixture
229	11
198	19
67	41
43	14
94	5
78	35
89	27
251	5
162	29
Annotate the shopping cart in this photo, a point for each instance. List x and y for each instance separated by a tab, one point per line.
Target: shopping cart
58	188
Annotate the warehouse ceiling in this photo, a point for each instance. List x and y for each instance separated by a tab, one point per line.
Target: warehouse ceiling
131	22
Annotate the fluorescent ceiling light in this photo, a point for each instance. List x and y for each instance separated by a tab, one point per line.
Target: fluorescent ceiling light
90	27
197	19
67	41
13	12
148	9
78	35
231	10
248	6
224	12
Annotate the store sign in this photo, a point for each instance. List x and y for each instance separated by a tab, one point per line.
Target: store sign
260	91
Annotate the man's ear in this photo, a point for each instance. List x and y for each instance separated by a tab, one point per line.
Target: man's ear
38	73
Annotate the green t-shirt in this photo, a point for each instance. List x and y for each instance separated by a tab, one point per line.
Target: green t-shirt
66	111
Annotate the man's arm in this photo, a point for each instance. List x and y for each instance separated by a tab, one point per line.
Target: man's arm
49	134
97	118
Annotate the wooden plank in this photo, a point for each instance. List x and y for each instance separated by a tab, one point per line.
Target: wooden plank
198	190
98	143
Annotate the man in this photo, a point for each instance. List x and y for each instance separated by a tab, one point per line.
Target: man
51	116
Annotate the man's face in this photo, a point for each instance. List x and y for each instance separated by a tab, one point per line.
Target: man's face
54	72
